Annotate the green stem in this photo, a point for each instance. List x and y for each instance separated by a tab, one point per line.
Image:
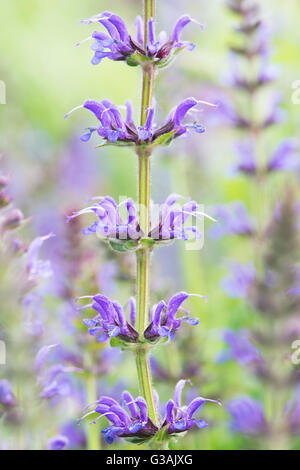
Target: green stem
144	376
143	256
93	437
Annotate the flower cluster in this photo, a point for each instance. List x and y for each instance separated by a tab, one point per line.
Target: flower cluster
113	128
136	424
167	222
118	45
111	322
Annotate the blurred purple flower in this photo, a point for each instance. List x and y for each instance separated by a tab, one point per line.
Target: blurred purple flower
118	45
113	128
286	157
294	413
58	442
74	434
240	348
36	267
53	380
238	283
246	162
248	416
7	397
233	220
106	277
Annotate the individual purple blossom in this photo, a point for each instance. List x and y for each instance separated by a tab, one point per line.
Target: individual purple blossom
248	416
111	321
233	220
58	442
286	157
118	45
168	222
135	422
113	128
7	397
132	423
164	322
181	418
240	348
240	280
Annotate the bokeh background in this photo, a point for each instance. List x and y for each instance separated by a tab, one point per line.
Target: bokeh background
52	172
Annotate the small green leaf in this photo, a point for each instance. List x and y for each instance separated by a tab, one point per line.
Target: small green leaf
164	139
132	244
117	246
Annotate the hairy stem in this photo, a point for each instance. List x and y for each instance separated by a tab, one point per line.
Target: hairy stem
143	256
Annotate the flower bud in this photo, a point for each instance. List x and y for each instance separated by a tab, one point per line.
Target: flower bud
5	200
13	220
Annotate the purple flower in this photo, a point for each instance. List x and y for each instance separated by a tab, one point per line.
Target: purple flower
181	418
58	442
238	283
75	435
113	128
164	322
248	416
7	397
233	220
246	162
111	322
286	156
53	380
168	222
36	267
130	419
118	45
132	423
240	348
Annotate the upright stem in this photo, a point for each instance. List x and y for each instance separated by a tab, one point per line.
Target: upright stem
143	255
93	438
